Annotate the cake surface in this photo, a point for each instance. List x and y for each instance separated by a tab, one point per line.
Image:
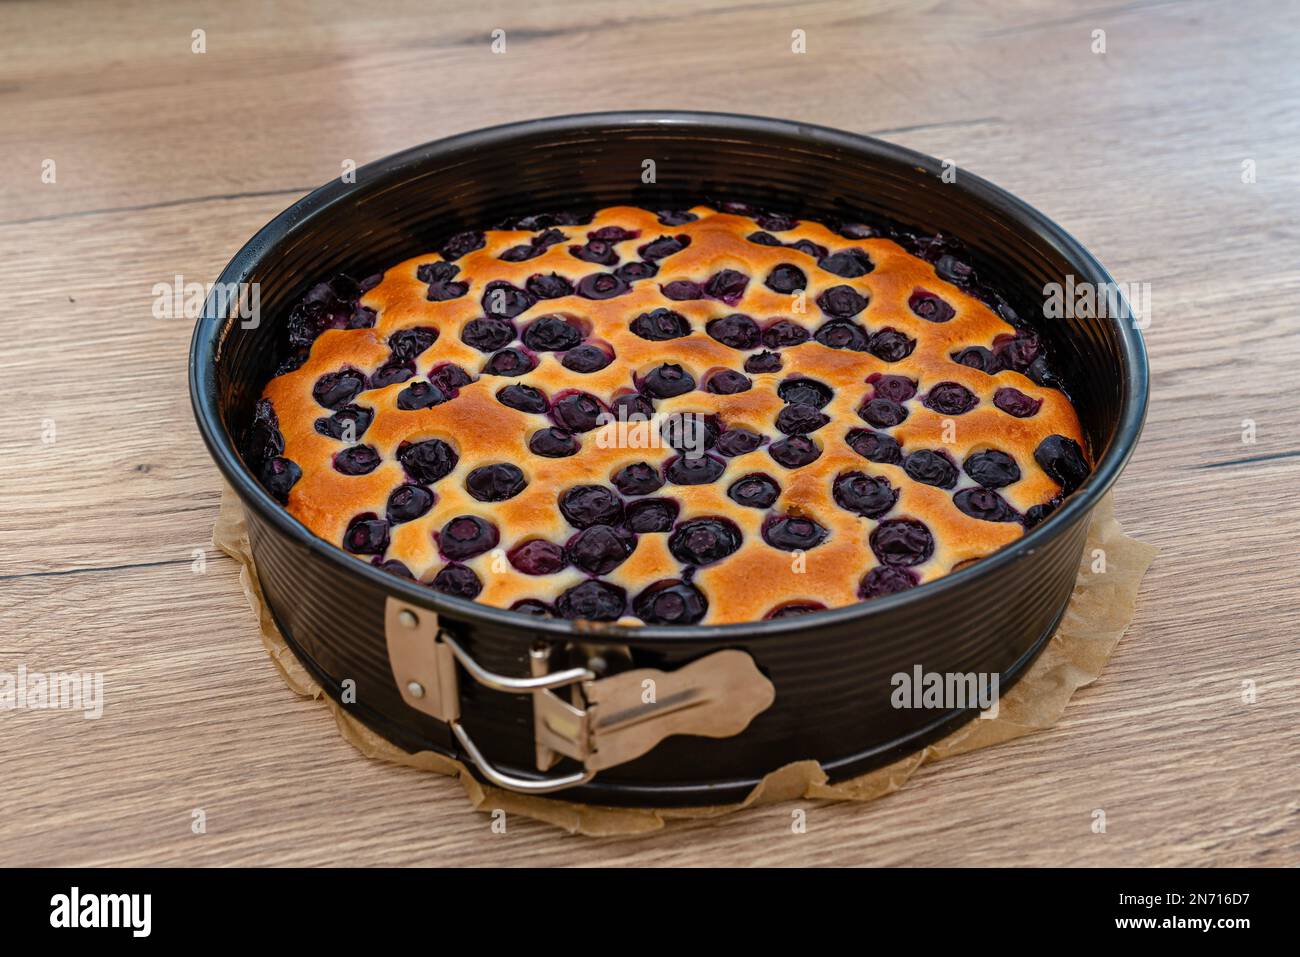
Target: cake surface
665	417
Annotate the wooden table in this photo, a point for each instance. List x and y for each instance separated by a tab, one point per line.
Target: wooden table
166	160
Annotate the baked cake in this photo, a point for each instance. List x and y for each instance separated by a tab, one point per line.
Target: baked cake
706	415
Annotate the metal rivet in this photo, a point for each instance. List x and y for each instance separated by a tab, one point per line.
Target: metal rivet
415	689
408	619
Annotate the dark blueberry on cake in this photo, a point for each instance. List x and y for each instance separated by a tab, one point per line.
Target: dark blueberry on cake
694	470
587	358
763	238
776	222
875	446
809	248
357	460
523	398
577	411
420	395
670	603
595	251
449	378
886	580
278	476
800	419
992	469
985	504
1038	513
501	300
587	505
636	271
1062	459
1017	352
553	286
614	234
393	567
632	407
533	607
666	381
726	286
754	490
931	468
762	362
663	247
462	244
488	335
639	478
950	398
660	325
680	290
977	357
896	388
882	413
953	270
929	306
537	557
442	285
688	431
550	334
736	330
592	601
496	482
334	390
602	285
795	452
793	533
804	391
867	495
510	362
847	263
676	217
841	302
738	441
1014	402
347	424
408	502
902	541
890	345
786	278
727	382
648	515
436	272
794	609
840	334
466	536
411	343
600	549
428	461
457	581
367	534
703	541
784	333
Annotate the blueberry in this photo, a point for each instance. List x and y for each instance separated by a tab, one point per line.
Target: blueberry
676	217
951	269
682	289
882	413
841	334
931	468
666	381
443	291
428	461
867	495
841	302
663	247
694	470
510	362
754	490
466	536
596	251
458	581
786	278
599	549
800	419
614	234
632	407
278	476
763	238
537	557
896	388
587	505
660	325
420	395
1062	459
436	272
736	330
809	248
602	285
761	362
793	609
784	333
902	541
592	601
408	502
487	335
985	504
553	286
461	244
348	423
639	478
795	452
1038	513
977	357
367	534
410	343
847	263
702	541
393	567
875	446
726	285
523	398
890	345
496	482
886	580
793	533
992	469
586	358
950	398
1017	352
1014	402
336	389
777	222
550	334
805	391
648	515
727	382
357	460
533	607
577	411
738	441
449	378
670	603
501	300
636	271
929	306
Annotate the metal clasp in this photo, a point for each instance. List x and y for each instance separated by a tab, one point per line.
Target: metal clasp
606	721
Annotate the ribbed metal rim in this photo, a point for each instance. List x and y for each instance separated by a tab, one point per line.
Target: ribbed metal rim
206	343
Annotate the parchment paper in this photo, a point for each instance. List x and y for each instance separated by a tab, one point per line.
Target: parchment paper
1101	608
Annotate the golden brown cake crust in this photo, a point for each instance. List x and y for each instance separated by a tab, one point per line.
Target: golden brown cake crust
758	577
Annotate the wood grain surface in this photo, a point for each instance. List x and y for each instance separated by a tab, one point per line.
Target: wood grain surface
167	160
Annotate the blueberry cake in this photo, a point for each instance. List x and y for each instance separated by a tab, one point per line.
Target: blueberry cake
699	416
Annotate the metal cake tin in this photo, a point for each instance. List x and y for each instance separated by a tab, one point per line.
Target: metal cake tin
829	672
